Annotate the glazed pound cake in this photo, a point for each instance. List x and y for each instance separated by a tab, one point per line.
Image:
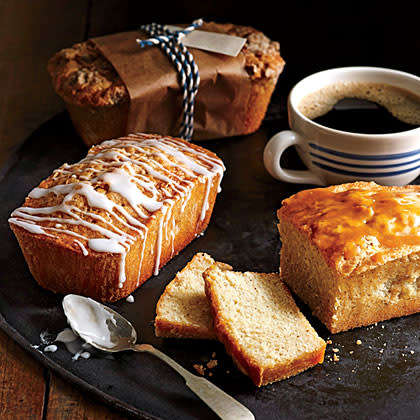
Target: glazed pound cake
98	100
102	226
351	252
263	330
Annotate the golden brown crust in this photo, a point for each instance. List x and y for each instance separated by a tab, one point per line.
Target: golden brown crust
59	254
82	75
357	226
262	56
165	328
97	99
365	274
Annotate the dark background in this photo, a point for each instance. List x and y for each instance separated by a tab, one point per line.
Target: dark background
313	36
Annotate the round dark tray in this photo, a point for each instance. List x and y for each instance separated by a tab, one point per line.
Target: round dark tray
378	379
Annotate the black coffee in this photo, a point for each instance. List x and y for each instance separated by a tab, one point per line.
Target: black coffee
364	117
363	107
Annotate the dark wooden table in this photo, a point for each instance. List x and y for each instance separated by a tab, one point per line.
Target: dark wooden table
28	391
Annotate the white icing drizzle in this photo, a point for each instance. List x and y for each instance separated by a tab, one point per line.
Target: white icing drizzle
82	247
66	336
149	174
51	348
129	299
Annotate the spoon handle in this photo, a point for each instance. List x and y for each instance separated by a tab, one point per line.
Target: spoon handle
226	407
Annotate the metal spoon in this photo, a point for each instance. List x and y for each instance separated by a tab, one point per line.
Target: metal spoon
108	331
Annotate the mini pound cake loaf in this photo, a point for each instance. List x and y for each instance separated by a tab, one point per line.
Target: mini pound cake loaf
352	252
98	100
263	330
183	310
102	226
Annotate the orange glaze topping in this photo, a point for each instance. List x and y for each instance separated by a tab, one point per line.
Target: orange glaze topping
365	221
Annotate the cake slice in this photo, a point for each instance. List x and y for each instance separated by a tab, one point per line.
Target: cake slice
351	252
183	310
263	330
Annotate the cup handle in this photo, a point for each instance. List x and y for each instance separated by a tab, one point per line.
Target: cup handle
272	153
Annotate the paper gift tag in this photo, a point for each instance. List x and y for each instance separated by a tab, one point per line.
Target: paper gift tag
211	41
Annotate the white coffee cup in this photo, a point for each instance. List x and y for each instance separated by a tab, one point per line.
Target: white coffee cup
334	156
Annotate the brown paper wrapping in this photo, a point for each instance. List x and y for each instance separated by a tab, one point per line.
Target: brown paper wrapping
156	97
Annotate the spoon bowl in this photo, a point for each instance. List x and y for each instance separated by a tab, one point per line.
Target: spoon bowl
108	331
99	325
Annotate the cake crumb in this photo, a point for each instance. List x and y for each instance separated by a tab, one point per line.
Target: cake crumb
329	341
335	350
212	363
358	342
200	369
336	358
213	355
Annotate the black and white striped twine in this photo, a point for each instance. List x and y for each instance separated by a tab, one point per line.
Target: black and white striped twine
171	43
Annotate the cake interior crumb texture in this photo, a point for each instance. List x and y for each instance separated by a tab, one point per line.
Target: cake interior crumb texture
183	310
261	326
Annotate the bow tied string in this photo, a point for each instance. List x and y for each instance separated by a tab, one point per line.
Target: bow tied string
171	43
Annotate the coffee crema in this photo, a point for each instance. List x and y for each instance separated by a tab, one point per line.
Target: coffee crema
394	109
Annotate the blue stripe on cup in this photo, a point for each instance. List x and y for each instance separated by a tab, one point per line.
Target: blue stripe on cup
363	174
364	157
353	165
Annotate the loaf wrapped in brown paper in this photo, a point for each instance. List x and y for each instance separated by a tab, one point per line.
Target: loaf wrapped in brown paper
112	87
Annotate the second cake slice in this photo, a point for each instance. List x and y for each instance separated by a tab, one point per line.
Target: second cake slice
259	323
